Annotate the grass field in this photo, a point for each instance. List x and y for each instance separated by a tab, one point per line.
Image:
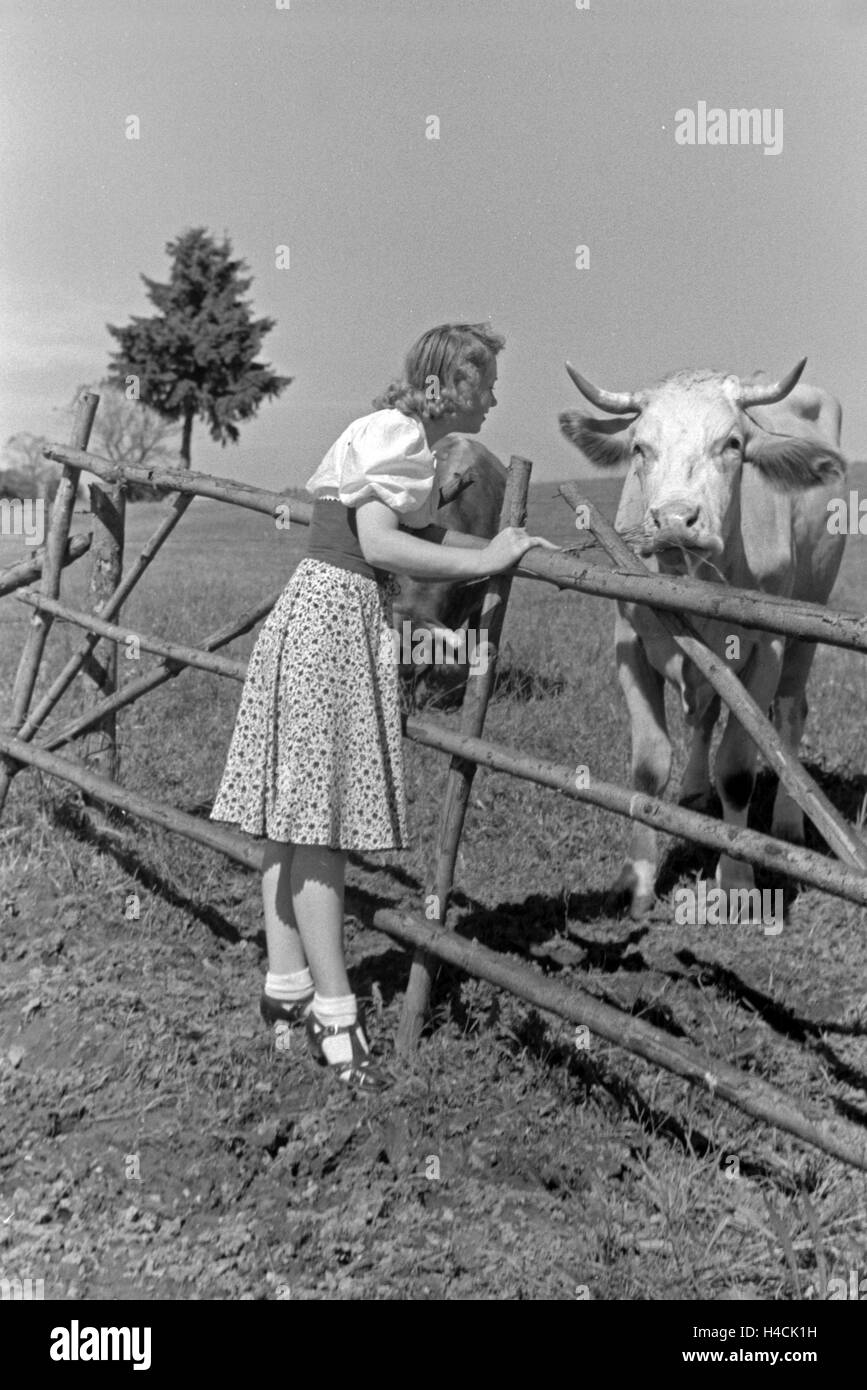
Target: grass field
155	1147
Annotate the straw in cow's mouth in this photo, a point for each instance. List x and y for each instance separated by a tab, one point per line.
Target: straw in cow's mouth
682	553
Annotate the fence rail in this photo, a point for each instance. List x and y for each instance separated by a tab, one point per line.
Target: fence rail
837	628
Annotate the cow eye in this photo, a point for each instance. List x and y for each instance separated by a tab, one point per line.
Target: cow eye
734	442
638	453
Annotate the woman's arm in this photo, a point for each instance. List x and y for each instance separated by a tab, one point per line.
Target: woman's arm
461	540
388	548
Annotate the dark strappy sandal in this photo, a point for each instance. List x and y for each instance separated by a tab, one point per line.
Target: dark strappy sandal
283	1015
360	1070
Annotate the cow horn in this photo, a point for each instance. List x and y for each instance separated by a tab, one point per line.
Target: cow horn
615	402
766	393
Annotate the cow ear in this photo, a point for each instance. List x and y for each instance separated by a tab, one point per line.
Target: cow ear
603	441
789	463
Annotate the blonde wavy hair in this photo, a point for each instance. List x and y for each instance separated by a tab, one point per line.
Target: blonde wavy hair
442	370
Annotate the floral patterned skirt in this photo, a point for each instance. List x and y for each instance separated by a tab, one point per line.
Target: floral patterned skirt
316	756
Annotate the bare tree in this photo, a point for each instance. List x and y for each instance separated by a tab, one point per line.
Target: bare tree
25	473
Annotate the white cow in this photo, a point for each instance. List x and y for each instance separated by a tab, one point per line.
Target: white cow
728	481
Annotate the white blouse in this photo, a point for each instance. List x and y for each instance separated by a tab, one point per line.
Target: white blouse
384	456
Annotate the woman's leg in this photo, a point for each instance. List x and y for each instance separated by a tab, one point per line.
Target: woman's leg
317	878
285	949
335	1033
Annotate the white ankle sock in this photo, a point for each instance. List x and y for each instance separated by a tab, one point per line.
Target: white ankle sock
289	987
341	1011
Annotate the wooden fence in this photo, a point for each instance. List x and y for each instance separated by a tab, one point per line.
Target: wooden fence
36	583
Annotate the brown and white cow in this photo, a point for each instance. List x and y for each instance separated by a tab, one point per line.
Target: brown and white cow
436	604
728	481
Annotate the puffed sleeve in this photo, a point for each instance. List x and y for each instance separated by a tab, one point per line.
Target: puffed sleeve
387	458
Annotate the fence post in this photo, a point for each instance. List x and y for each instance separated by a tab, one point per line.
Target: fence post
52	567
81	655
108	511
461	773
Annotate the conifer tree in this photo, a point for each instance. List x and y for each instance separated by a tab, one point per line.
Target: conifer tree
197	355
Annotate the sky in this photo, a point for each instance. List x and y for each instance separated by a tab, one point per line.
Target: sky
305	123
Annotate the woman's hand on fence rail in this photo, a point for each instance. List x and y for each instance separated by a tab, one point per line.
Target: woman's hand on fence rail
506	549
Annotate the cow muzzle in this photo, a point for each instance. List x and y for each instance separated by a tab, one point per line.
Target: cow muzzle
677	525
